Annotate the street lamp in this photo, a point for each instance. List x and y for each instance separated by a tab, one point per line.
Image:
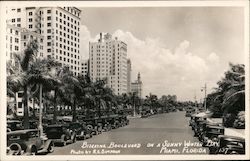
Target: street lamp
205	92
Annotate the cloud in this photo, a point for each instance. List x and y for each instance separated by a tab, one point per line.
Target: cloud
84	41
164	71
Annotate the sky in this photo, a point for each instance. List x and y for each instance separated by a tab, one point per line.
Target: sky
176	49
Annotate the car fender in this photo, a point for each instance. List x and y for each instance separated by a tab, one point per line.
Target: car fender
47	144
14	149
63	137
29	148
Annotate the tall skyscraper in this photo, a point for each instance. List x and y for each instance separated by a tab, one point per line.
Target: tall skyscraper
129	70
60	27
108	60
136	87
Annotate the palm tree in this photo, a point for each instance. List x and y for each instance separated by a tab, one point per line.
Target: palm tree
21	74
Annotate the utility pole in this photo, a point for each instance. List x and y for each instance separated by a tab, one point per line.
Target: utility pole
205	98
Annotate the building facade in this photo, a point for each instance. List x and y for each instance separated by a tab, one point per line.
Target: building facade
108	60
17	39
60	27
84	67
136	87
129	70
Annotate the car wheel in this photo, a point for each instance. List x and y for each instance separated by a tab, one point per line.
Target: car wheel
74	139
63	138
33	151
51	148
15	149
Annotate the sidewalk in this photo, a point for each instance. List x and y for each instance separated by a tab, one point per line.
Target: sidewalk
235	132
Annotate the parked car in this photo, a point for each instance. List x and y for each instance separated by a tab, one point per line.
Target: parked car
199	127
189	112
210	136
144	114
229	145
13	125
60	133
81	130
28	142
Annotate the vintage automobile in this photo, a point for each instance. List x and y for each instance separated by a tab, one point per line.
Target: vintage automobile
199	127
189	112
106	126
210	136
92	125
114	121
13	125
28	142
145	114
229	145
81	130
60	134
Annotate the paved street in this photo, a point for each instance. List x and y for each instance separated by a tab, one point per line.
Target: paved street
170	128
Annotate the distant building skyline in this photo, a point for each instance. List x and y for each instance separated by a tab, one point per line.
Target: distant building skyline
136	86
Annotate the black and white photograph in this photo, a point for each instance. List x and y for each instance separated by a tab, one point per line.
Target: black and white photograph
115	80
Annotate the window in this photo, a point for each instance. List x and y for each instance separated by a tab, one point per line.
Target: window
30	19
48	11
56	12
18	19
16	48
16	40
30	26
16	32
49	18
18	25
19	10
48	43
48	24
49	31
10	39
48	50
48	37
30	13
13	20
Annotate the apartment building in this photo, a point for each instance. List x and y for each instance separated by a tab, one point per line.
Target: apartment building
60	27
17	39
108	60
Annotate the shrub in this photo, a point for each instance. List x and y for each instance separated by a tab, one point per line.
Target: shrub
239	122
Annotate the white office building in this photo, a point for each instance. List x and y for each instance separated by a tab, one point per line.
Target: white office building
60	27
108	60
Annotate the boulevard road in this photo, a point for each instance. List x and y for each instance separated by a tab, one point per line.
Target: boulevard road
164	134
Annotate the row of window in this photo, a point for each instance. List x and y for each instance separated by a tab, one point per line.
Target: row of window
67	20
16	48
69	25
72	55
16	32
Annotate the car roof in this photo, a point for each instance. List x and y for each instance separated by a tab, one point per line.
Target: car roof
215	127
57	125
232	137
21	131
12	121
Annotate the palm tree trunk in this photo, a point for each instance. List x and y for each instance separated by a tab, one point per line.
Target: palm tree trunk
55	107
40	127
74	111
26	108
